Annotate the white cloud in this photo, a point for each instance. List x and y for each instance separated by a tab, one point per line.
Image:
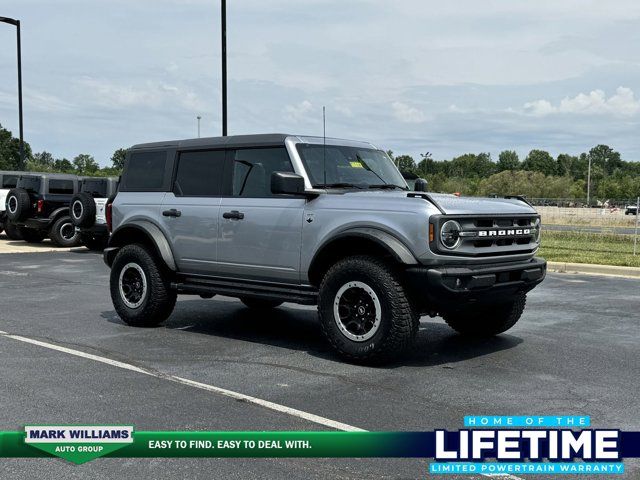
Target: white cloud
299	111
407	114
623	102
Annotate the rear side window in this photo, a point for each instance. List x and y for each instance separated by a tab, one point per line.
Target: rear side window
9	181
61	186
96	188
252	169
199	174
145	171
30	184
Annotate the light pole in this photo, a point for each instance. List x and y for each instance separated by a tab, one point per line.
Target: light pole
223	19
589	184
198	117
16	23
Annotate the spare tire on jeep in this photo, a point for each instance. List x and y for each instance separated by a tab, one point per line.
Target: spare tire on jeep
83	210
18	204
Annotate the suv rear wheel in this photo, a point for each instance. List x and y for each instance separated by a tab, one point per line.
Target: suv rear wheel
364	310
487	320
30	235
18	204
260	302
140	287
12	231
63	233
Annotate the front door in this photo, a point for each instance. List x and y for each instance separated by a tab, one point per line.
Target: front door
260	233
189	214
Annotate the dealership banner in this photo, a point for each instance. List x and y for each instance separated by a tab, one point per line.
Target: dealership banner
548	445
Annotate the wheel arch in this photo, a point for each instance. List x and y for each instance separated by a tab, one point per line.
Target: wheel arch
142	232
59	212
358	241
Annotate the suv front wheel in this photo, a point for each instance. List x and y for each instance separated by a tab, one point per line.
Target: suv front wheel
485	321
364	310
140	287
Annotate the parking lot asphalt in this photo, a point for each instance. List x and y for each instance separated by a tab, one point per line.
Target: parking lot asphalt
575	351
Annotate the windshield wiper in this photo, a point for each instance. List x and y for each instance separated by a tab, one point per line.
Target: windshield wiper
387	186
336	185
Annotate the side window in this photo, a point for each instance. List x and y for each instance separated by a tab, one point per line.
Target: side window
199	174
252	169
61	186
145	171
9	181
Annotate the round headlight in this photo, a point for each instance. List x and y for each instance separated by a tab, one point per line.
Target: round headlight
450	234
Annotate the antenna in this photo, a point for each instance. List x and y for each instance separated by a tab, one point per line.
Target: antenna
324	145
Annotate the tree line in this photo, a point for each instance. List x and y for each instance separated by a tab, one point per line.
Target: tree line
538	175
82	164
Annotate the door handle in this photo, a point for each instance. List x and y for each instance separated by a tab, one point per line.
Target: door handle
233	215
172	213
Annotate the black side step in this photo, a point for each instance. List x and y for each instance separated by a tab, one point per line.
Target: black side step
203	285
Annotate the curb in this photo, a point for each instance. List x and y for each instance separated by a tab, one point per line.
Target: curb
591	269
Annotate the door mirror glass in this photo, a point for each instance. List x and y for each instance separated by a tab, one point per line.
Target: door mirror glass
286	183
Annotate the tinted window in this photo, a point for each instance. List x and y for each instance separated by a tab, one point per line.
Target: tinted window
61	186
145	170
199	174
9	181
97	188
252	169
30	184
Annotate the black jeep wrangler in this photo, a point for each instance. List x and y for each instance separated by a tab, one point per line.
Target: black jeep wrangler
39	207
88	210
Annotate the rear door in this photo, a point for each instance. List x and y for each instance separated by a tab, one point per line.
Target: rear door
260	233
189	213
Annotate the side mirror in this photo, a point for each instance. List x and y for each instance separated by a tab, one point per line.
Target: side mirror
421	185
287	183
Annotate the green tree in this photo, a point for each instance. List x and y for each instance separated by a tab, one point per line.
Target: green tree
508	160
10	151
117	159
63	165
471	165
606	158
564	163
539	161
405	164
85	164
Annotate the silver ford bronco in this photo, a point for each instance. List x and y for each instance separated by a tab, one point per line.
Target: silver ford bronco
316	221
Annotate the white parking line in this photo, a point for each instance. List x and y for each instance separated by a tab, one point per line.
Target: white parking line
310	417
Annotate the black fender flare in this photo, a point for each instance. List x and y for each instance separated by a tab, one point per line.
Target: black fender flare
151	231
57	213
395	247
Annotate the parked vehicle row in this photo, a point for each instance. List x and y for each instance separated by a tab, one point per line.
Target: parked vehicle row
65	208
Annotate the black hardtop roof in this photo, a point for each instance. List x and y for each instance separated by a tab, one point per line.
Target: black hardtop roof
108	179
55	176
257	140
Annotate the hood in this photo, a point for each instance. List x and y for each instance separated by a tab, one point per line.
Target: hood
451	204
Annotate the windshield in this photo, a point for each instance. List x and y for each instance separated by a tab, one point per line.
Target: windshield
341	166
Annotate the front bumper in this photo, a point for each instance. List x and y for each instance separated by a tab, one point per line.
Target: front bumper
443	288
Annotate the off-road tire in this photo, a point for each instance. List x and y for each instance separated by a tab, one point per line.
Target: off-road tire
486	321
158	301
20	209
398	319
31	235
82	210
11	231
260	302
56	234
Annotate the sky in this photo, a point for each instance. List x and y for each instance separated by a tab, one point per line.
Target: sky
412	76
